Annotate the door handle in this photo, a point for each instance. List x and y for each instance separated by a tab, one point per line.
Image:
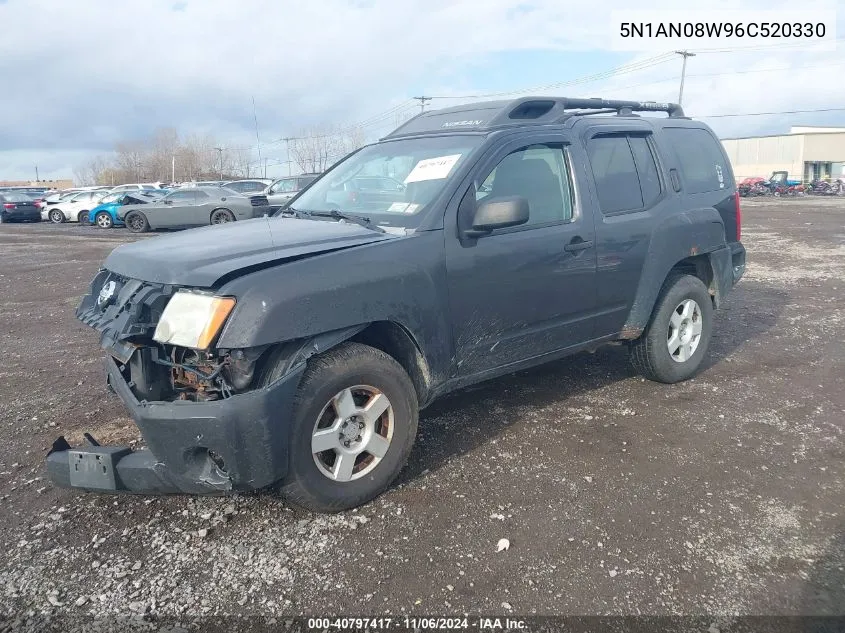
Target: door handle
577	244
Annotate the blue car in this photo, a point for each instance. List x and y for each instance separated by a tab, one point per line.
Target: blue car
105	215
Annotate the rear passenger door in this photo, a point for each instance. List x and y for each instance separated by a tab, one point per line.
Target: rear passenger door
630	191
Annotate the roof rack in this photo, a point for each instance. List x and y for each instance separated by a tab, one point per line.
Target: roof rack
486	115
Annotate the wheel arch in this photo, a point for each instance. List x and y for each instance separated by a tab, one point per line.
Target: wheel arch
388	336
222	208
692	242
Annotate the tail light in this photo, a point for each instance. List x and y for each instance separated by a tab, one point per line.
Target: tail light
8	205
738	217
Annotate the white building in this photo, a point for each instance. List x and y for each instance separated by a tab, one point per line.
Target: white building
806	153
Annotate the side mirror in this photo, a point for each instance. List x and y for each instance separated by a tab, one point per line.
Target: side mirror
498	213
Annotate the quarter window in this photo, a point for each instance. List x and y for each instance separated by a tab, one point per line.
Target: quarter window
701	160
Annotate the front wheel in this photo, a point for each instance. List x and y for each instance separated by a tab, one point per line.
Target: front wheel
354	422
136	222
674	344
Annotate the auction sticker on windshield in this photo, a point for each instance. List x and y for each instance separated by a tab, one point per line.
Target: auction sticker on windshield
403	207
433	168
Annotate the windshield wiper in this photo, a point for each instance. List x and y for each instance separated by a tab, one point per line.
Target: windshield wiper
349	217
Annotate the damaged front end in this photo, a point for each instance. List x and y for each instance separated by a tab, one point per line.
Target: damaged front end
210	424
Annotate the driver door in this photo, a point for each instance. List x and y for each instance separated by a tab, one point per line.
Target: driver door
528	290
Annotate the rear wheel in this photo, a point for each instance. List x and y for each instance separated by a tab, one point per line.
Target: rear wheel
56	216
83	217
354	422
222	216
137	222
675	342
104	220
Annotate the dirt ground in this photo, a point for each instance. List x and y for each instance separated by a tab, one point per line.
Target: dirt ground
721	495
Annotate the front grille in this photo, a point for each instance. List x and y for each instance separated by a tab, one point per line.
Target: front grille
259	201
127	310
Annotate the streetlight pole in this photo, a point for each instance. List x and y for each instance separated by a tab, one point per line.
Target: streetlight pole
683	54
220	152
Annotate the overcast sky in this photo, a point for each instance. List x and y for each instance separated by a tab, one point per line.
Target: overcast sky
77	76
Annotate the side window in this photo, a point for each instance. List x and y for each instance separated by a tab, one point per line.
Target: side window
646	169
617	183
199	196
701	160
181	196
537	173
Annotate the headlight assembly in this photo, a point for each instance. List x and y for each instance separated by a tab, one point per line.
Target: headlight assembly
193	320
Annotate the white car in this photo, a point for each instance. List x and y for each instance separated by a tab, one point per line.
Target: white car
135	187
73	208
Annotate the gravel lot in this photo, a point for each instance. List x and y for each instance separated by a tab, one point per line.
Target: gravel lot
722	495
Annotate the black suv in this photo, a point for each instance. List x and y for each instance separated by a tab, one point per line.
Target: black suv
297	350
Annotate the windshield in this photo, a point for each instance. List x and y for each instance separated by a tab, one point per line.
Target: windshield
393	182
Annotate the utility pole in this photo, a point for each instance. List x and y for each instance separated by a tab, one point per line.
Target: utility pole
287	141
37	179
423	100
257	139
220	152
173	168
683	54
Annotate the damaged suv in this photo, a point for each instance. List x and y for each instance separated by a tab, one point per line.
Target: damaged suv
296	351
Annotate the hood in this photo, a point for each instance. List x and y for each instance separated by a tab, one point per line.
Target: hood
200	257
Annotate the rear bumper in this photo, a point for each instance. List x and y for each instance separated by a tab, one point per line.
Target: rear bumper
239	443
737	261
17	215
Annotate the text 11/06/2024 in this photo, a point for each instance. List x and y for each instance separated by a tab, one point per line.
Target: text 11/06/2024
409	623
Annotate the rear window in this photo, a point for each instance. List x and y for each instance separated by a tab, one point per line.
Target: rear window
15	197
702	163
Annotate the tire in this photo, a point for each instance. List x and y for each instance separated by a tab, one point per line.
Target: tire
56	216
136	222
222	216
103	220
82	218
650	354
364	373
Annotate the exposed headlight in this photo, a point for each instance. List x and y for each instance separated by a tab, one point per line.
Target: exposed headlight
193	320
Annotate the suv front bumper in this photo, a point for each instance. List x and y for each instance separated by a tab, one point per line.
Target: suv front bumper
238	443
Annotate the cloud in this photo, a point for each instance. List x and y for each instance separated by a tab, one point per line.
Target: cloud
97	71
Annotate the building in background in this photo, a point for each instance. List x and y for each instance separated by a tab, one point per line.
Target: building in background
806	153
66	183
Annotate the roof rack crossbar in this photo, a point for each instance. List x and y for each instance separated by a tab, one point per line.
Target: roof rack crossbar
674	110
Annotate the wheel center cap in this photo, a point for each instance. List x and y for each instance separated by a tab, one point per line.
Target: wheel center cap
350	430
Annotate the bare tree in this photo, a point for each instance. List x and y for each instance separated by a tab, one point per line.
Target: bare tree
317	148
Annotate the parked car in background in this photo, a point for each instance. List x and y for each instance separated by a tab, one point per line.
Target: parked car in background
363	192
134	187
18	207
286	188
247	186
104	215
194	206
73	208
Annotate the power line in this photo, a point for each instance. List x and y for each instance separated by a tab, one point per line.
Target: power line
620	70
722	116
